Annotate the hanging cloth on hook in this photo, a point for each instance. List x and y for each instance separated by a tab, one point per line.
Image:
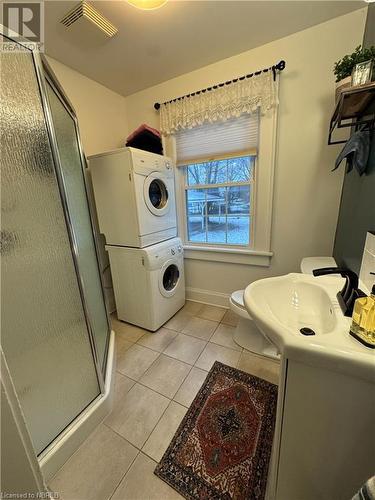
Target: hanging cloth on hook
356	151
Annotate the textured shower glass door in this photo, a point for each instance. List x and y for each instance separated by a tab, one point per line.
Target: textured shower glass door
72	172
44	332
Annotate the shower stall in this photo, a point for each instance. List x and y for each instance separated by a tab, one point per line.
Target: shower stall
56	336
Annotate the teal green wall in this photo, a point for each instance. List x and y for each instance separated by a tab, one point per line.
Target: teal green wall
357	207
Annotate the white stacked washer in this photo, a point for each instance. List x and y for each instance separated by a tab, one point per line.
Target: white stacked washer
135	197
149	282
135	200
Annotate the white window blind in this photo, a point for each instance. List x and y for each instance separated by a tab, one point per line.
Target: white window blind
233	136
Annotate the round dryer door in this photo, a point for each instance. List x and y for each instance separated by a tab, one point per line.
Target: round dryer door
156	195
169	278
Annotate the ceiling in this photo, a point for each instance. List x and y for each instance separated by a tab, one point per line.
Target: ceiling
154	46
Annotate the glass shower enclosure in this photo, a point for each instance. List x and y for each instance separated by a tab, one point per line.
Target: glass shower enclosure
55	327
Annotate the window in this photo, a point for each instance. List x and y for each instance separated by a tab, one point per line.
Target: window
224	183
219	200
218	164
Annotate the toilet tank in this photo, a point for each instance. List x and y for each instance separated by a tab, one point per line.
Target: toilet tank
308	264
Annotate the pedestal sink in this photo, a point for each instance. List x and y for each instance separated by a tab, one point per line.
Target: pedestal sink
292	302
282	306
324	439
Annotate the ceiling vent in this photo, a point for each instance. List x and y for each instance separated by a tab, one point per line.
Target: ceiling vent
85	16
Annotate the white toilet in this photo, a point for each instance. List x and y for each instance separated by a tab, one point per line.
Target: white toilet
247	335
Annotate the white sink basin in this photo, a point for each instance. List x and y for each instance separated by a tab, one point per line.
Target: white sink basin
294	303
282	306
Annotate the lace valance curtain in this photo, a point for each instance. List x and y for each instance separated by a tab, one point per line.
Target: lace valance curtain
223	103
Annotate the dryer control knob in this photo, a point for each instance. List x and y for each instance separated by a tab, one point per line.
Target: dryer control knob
173	251
179	248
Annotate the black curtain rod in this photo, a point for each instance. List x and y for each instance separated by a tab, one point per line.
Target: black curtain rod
276	67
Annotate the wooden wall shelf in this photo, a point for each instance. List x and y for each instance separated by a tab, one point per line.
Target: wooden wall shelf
355	103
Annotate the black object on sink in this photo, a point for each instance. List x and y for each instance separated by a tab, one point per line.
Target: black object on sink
307	331
350	292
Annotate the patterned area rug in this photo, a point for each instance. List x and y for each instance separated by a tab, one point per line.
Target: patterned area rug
222	447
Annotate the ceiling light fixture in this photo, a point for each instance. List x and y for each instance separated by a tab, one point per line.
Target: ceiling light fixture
147	4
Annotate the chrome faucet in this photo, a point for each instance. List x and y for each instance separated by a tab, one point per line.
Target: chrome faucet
350	291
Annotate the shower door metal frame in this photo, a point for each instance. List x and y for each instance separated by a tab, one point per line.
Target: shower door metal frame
56	87
43	71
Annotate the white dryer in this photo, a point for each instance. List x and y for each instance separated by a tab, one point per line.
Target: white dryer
149	283
135	197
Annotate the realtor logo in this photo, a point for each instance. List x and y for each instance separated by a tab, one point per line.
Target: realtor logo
24	22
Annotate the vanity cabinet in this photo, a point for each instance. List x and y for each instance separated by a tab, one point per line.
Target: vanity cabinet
324	445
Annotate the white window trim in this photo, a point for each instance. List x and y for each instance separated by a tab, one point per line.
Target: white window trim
260	254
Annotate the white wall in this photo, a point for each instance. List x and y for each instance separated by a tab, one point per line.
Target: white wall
103	126
101	112
307	194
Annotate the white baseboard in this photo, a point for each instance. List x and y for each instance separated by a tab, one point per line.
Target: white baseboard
208	297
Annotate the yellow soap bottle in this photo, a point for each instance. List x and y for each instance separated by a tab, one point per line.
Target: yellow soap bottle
363	324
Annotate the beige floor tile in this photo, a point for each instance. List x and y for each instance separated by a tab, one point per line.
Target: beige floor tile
178	321
250	363
163	433
138	415
230	318
94	471
259	366
190	387
165	375
213	313
122	386
185	348
192	307
135	361
224	336
122	343
271	372
129	332
122	346
140	483
214	352
159	340
200	328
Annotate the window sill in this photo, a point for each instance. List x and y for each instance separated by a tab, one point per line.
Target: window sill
230	255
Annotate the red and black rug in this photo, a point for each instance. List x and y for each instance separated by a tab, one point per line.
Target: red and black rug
222	447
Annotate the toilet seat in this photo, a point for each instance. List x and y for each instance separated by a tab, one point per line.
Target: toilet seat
237	304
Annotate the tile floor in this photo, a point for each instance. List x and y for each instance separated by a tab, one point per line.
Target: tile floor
158	375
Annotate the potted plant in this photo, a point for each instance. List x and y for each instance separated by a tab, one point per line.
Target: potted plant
344	67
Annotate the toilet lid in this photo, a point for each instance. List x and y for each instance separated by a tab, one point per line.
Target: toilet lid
237	298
